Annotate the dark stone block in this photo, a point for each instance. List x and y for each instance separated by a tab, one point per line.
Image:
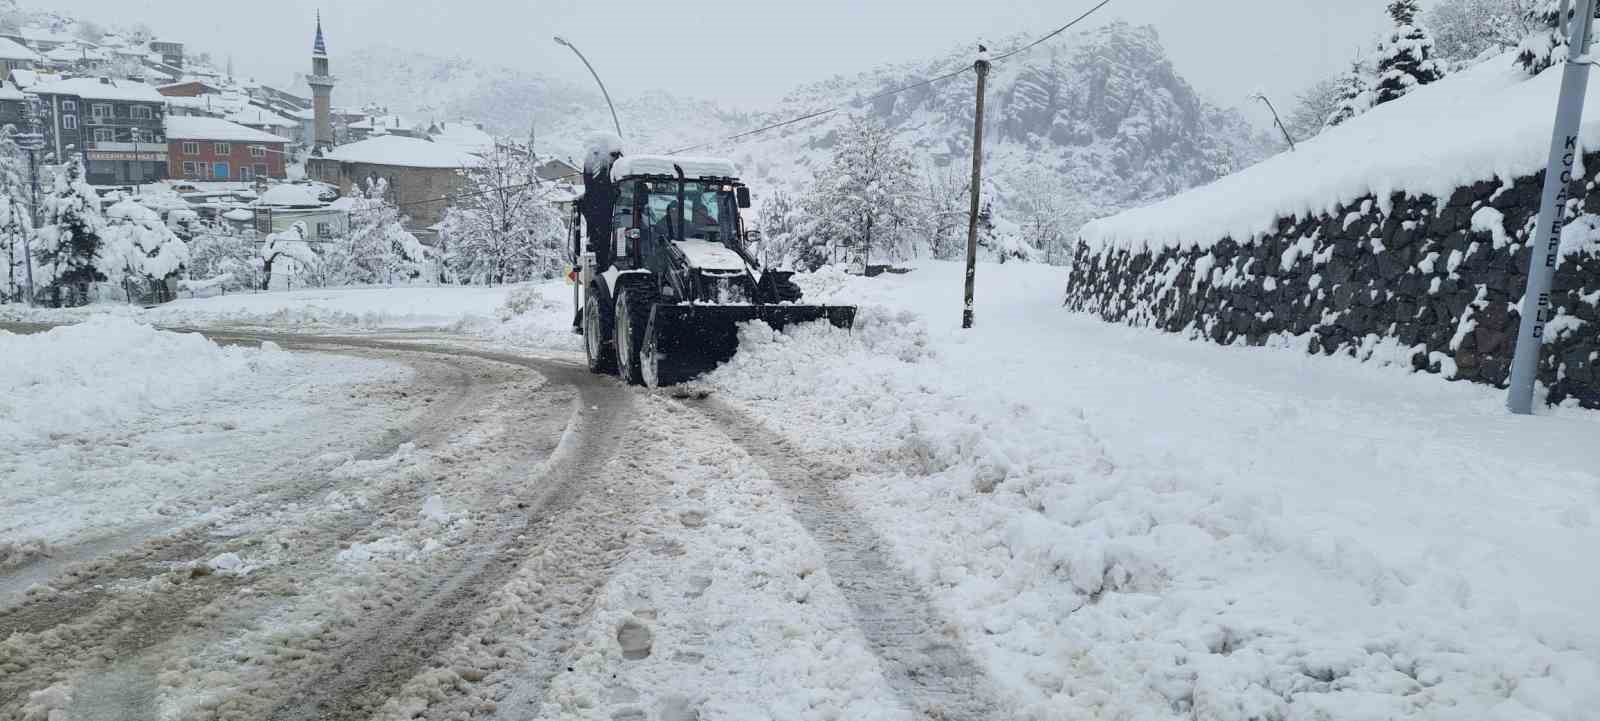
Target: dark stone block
1344	295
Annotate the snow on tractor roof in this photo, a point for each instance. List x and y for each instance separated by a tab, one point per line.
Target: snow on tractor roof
662	165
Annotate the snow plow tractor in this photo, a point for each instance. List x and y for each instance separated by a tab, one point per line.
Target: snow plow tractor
664	277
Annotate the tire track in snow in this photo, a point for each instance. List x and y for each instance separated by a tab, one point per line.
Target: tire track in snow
929	667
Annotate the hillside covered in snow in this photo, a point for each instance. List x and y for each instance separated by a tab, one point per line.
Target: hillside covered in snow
1102	118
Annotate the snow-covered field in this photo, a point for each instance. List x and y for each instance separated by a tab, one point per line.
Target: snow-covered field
1128	525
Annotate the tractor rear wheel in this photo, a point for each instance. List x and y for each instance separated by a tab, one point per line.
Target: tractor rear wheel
632	315
596	341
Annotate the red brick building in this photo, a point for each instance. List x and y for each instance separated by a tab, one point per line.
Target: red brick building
215	149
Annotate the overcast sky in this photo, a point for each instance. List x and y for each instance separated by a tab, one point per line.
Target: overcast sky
760	48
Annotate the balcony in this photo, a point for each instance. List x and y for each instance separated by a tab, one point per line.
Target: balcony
125	147
110	122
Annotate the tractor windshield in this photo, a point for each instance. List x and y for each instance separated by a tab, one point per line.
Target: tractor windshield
708	210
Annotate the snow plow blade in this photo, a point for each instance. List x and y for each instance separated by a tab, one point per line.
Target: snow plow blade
683	341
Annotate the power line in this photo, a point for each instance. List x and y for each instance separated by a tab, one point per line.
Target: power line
1052	33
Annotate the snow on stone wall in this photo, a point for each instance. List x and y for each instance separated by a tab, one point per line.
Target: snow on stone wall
1419	280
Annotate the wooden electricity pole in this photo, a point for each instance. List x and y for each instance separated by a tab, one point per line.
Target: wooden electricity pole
982	66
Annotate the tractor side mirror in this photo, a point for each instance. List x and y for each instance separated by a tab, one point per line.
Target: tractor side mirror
743	194
752	236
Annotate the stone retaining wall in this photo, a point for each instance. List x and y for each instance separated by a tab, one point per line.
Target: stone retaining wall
1419	280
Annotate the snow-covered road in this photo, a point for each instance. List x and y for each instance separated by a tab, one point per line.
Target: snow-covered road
1043	518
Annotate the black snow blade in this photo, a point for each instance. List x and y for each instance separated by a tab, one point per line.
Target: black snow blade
687	340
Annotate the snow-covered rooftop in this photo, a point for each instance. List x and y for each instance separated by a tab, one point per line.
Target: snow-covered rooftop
465	136
404	152
13	50
663	165
290	195
101	89
10	92
257	115
1487	121
201	128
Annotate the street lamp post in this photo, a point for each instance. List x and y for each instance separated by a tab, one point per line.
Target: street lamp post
562	41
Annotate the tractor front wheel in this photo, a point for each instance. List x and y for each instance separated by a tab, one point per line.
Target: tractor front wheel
632	315
596	343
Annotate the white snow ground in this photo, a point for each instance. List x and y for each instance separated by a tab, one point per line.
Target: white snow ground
111	424
1129	525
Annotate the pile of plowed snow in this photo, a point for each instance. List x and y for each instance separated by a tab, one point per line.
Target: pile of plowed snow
104	371
1124	524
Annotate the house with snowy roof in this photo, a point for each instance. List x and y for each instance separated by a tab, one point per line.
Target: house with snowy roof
278	209
16	56
421	174
118	126
201	148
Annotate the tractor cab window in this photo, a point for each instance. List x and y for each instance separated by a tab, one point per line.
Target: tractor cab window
708	210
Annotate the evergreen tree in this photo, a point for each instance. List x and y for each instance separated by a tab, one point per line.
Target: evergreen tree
1354	96
138	251
1468	30
1545	45
863	202
1405	60
68	245
290	247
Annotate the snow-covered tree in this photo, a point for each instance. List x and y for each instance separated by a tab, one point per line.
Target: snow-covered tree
139	251
865	200
289	246
780	221
220	253
1466	30
1313	107
15	221
1405	59
505	227
379	247
946	202
1544	45
1354	96
68	242
1045	212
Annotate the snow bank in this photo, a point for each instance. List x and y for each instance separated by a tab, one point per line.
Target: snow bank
1124	524
87	377
1489	121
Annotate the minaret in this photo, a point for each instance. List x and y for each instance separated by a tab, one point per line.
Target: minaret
322	93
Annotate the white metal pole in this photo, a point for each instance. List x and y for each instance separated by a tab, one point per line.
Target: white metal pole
1545	243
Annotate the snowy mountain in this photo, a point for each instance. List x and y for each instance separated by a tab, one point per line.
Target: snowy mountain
1103	118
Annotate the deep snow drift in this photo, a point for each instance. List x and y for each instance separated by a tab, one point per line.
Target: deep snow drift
1488	121
1129	525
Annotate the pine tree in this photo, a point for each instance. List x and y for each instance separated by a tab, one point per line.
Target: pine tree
1354	96
68	245
864	200
1405	61
1545	45
139	251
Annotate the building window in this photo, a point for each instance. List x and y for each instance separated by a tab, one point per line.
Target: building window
105	135
69	122
261	170
247	173
69	106
222	148
100	110
191	148
324	230
258	151
141	135
142	112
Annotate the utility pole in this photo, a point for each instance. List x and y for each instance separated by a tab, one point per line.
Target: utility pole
1545	244
982	66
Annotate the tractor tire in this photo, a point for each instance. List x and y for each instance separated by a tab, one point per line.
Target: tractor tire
631	316
597	336
656	369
